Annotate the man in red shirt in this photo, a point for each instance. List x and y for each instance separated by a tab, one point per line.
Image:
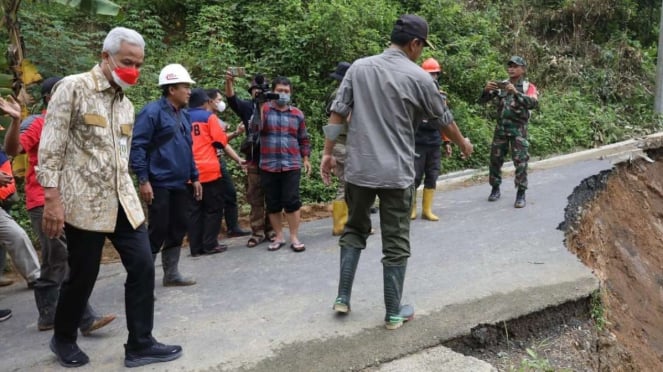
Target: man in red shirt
53	251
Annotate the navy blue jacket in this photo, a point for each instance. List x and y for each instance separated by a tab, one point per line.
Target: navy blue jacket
161	146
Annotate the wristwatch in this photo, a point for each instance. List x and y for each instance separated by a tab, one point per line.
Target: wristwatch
143	180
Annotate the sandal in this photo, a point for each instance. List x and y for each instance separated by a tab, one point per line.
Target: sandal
255	240
298	247
275	246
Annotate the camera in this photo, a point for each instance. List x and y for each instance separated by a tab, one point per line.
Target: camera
501	84
237	71
264	94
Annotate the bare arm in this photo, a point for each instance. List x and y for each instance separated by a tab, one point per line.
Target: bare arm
13	109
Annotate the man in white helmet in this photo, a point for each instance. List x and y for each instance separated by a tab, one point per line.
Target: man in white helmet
88	192
162	158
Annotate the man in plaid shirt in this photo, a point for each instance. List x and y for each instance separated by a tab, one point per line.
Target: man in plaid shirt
284	149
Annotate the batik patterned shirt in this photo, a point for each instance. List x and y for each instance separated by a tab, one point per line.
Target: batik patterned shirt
84	152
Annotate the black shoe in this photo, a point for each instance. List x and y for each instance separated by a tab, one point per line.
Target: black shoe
494	194
520	199
156	353
374	210
218	249
5	314
68	354
237	231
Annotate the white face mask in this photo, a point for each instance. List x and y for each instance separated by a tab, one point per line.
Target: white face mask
221	106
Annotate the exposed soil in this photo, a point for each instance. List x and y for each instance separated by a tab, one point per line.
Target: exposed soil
620	235
614	223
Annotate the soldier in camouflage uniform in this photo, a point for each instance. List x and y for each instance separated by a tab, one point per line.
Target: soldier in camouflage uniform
339	206
514	98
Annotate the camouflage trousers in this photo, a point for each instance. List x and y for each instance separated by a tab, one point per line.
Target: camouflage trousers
339	154
503	140
255	196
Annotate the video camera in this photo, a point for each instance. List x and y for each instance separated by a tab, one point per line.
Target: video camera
264	94
251	146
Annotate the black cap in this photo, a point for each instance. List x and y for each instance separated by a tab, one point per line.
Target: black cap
47	85
413	25
198	97
341	69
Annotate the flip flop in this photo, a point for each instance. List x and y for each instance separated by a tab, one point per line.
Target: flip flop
275	246
298	247
255	240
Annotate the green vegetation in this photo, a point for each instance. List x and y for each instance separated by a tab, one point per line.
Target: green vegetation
597	310
592	60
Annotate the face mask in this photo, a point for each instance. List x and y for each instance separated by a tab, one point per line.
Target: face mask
283	100
124	77
221	106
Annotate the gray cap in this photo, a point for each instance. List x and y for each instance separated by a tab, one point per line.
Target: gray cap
520	61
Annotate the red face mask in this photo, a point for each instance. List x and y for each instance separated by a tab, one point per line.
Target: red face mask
125	76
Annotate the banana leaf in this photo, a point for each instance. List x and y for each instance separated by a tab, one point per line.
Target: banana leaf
102	7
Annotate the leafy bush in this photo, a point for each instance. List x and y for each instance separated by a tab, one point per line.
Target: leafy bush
592	60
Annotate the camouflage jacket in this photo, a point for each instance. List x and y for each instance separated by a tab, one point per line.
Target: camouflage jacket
513	109
84	152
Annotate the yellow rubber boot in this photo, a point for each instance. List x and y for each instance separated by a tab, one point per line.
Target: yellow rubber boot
427	207
413	213
339	216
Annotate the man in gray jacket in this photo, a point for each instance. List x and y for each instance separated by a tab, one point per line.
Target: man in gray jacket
380	155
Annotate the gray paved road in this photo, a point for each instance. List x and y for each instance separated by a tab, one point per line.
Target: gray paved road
257	310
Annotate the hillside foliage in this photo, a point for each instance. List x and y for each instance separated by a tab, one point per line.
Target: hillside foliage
592	60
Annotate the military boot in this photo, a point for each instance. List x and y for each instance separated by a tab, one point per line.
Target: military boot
413	212
46	299
396	315
170	258
520	199
349	261
494	194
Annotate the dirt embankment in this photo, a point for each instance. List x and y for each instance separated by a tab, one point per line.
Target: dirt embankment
614	223
619	233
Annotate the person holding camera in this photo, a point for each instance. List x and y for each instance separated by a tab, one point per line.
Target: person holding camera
514	98
387	95
284	150
261	228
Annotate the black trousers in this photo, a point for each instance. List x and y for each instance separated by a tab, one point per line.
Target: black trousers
230	211
85	248
168	217
205	219
427	166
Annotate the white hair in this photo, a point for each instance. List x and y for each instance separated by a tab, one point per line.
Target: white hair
119	34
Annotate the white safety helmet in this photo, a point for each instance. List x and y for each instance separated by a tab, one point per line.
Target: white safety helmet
173	74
